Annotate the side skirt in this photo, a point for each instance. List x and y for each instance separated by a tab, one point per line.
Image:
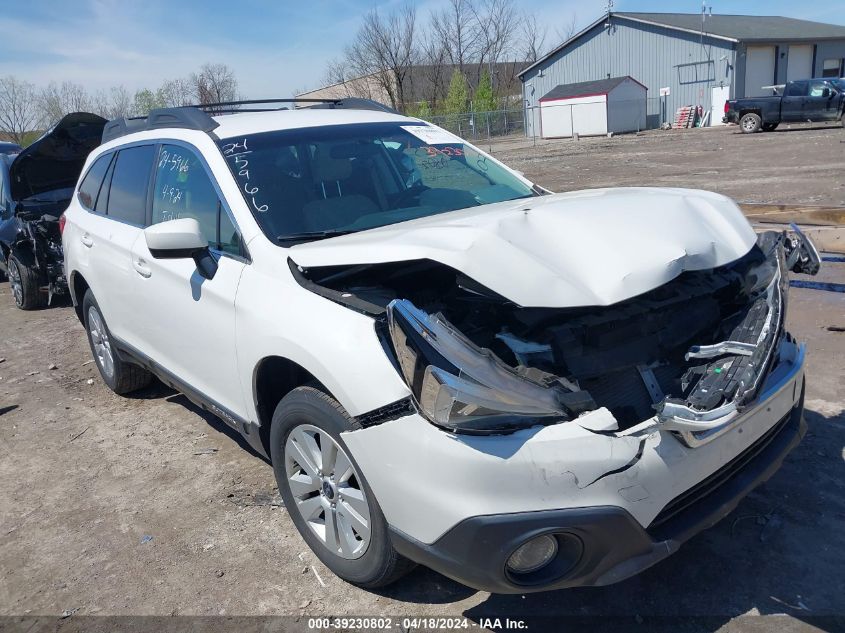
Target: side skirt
249	430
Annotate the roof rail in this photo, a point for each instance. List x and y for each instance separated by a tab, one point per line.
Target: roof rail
186	118
356	103
349	103
199	116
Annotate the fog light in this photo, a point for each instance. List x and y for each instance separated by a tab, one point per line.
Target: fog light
533	555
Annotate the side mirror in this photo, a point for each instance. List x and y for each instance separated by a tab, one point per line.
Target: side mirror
178	239
826	93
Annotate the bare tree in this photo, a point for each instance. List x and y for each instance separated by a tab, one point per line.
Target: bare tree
175	93
498	24
533	37
57	100
18	108
569	29
112	104
435	70
337	72
384	48
341	75
215	83
457	31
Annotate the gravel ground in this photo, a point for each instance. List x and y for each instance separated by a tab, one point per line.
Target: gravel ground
798	164
147	506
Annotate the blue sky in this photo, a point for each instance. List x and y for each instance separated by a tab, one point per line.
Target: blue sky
274	47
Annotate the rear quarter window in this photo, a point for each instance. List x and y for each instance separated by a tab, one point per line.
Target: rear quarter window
93	181
129	184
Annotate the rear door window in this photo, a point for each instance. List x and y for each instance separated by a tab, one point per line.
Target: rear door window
93	181
183	189
129	184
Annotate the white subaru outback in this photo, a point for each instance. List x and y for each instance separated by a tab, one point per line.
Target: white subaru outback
445	363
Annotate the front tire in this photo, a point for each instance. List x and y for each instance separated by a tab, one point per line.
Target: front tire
24	283
327	498
120	376
750	123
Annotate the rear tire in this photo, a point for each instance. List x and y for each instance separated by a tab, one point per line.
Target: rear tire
331	497
750	123
24	283
120	376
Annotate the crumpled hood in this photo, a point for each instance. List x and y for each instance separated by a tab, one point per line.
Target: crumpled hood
585	248
55	160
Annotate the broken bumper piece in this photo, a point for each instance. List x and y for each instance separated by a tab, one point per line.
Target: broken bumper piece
598	545
724	387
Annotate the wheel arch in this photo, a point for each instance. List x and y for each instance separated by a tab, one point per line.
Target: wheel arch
78	286
272	379
756	111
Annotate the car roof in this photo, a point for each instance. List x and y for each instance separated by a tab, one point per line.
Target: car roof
238	124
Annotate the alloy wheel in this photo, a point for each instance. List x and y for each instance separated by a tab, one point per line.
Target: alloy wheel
327	491
15	282
100	342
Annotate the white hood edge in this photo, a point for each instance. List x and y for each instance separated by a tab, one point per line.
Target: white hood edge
586	248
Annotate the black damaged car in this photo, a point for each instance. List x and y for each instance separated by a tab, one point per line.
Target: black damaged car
37	185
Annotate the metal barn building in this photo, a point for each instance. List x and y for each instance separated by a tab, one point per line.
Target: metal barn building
700	61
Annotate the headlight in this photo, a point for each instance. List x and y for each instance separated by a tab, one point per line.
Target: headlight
464	388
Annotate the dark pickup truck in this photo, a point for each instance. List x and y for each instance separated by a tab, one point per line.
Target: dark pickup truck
804	100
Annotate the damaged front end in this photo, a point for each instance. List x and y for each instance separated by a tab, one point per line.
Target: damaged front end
39	239
691	354
42	181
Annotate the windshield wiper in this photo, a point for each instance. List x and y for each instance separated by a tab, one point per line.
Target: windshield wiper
309	236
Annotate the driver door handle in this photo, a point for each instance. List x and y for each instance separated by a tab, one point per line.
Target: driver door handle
140	266
86	240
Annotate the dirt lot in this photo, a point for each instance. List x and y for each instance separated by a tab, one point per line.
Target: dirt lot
798	164
147	506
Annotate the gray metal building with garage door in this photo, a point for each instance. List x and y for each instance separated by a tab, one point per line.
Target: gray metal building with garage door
699	60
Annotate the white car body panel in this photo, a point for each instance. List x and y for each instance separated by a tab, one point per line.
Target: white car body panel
585	248
194	338
454	477
339	347
106	245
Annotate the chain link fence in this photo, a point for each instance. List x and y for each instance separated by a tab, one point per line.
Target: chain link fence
561	120
475	126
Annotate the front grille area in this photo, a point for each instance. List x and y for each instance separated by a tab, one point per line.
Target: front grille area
688	506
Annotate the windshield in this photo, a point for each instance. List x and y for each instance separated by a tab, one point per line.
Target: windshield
317	182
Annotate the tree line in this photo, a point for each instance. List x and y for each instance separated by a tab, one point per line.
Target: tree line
25	109
448	50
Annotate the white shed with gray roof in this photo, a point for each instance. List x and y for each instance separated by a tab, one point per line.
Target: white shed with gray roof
593	107
697	60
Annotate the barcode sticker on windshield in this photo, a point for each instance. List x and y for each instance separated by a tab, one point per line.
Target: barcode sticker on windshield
432	135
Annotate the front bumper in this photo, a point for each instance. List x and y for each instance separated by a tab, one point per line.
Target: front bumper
614	545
